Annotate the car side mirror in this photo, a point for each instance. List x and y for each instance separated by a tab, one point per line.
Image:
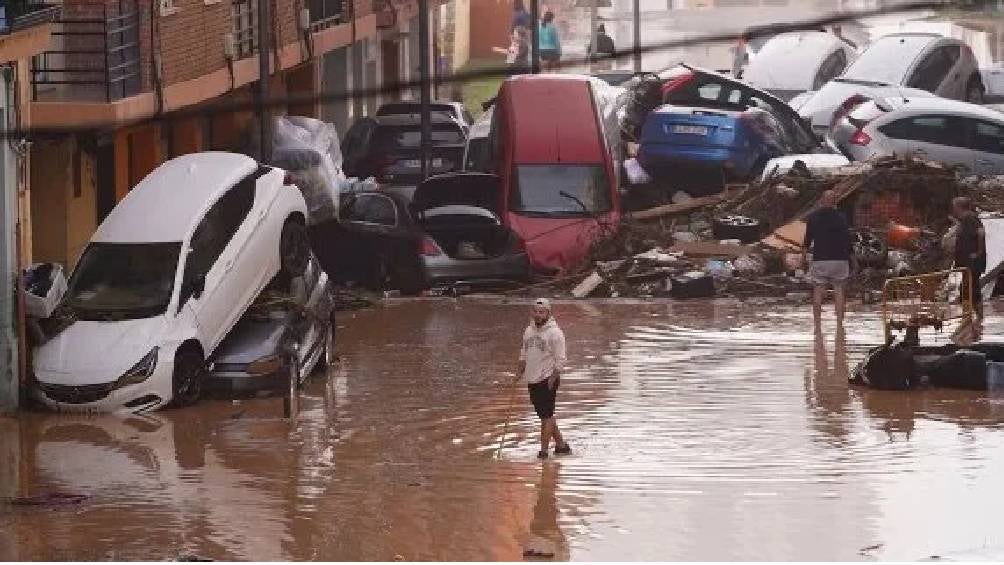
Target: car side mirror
198	285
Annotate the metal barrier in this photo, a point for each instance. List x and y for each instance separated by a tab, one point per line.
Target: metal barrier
928	300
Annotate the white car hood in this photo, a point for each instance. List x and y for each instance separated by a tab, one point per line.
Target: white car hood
815	162
96	352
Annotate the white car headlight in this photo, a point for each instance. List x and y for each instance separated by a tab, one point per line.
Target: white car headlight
140	371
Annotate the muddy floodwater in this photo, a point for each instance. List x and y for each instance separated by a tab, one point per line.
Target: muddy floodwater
701	431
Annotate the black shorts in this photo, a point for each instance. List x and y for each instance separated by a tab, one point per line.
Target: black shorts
550	55
543	397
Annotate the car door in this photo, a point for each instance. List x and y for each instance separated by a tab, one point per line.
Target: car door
988	147
211	261
936	137
371	224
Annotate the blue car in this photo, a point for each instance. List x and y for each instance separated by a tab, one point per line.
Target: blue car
701	149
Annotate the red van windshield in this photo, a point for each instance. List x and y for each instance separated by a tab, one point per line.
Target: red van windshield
561	190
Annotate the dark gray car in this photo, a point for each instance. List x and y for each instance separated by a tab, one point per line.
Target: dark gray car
289	328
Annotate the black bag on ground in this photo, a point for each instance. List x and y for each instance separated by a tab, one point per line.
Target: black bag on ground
965	369
890	368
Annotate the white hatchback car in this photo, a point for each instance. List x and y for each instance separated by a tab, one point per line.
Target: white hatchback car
940	65
166	276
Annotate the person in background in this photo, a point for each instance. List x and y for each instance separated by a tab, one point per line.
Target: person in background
520	17
549	43
517	55
970	248
542	357
828	236
740	57
604	48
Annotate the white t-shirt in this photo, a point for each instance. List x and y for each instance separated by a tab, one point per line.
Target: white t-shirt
543	351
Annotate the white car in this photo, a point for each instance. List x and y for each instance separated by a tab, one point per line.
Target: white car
166	276
930	62
948	131
792	63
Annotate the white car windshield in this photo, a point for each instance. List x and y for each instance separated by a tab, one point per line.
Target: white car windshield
888	60
123	280
561	190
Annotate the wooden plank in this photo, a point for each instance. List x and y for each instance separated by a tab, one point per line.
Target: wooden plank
710	249
674	209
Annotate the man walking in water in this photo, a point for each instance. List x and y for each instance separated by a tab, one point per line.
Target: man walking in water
541	359
828	236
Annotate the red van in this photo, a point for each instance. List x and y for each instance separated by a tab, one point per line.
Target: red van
557	175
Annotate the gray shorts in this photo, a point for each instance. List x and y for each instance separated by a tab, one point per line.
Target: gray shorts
823	273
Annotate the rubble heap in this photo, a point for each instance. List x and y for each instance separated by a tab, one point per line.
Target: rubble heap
747	241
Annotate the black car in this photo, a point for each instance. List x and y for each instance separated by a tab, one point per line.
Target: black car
388	147
446	231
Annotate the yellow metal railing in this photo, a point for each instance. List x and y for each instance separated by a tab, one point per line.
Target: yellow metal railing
928	300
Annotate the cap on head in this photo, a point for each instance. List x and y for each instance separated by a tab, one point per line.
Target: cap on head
542	303
963	203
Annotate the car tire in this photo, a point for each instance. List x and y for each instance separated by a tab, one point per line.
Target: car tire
188	377
328	354
743	228
975	93
294	248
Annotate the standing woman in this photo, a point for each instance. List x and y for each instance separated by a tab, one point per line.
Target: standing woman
550	43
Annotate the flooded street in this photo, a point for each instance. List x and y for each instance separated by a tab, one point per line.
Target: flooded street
701	432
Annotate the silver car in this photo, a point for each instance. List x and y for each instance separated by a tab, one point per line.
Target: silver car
940	65
951	132
290	327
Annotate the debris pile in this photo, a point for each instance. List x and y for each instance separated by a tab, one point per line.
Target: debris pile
747	241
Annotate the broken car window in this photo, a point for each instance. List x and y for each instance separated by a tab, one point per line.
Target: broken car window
371	209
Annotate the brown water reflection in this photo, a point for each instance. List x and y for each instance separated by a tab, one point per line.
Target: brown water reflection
702	431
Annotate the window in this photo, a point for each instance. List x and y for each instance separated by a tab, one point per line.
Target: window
710	91
830	69
939	130
391	139
931	72
561	190
988	137
370	209
218	227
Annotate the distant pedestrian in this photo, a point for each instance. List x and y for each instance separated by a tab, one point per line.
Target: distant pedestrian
604	49
520	17
970	248
541	360
549	43
740	57
517	55
828	237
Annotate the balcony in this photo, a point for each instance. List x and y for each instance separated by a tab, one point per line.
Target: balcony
95	57
326	13
21	14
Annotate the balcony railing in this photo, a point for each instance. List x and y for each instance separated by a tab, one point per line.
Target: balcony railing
326	13
95	57
22	14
